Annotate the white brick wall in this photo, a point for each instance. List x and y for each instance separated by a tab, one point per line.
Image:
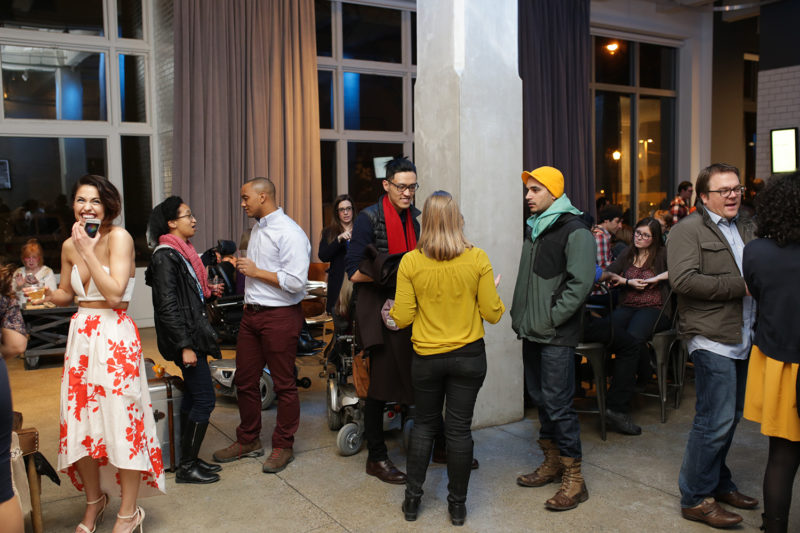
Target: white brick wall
778	107
165	81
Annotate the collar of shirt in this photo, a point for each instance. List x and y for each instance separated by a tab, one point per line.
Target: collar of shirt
716	219
264	221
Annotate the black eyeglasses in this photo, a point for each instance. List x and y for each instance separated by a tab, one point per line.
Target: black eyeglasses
403	188
727	192
641	235
188	215
344	209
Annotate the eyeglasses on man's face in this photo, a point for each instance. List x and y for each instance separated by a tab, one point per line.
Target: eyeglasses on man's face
727	192
642	235
344	209
403	188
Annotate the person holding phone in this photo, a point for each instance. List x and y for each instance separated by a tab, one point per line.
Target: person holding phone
180	287
108	441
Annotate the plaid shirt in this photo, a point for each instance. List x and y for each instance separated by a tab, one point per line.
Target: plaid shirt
602	239
678	209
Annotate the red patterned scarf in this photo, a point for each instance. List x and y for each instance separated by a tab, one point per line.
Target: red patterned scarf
399	241
186	249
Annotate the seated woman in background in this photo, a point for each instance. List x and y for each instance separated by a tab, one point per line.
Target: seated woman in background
772	398
446	289
333	246
641	271
33	271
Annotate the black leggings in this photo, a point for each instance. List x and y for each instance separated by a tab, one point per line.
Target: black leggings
6	420
784	458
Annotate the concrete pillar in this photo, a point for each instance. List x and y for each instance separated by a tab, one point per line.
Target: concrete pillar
468	141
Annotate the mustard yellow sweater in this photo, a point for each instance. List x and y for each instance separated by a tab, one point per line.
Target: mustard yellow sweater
445	300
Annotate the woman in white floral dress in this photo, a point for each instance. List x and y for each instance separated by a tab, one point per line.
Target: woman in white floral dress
108	441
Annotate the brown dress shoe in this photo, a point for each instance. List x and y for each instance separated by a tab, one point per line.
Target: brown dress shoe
710	512
737	499
237	451
440	457
386	472
277	460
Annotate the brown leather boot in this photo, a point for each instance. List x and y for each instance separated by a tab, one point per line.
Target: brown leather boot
573	489
550	470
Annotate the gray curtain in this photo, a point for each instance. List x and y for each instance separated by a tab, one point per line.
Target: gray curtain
555	68
246	105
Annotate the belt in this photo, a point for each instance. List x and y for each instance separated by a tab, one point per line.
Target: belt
255	308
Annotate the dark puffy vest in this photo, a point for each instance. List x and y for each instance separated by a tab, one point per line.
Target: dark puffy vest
375	215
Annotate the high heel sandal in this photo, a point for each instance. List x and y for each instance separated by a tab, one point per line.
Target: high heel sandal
98	517
138	514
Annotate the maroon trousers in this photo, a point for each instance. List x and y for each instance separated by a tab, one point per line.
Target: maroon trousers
268	338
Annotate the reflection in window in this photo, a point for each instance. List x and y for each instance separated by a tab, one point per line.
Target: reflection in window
48	83
328	164
132	88
137	192
656	66
43	171
84	17
363	186
322	12
325	78
129	19
371	33
373	102
612	61
612	146
655	152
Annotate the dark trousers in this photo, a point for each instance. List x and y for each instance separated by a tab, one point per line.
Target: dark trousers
198	396
6	421
639	322
550	378
268	338
626	349
456	377
720	385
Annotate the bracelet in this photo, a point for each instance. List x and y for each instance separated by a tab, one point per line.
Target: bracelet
626	281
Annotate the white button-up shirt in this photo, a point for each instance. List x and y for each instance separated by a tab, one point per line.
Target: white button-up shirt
733	351
278	244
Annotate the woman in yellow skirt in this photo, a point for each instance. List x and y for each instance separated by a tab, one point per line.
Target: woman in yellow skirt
770	267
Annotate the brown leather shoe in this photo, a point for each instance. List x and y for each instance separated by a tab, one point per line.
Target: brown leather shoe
710	512
573	488
440	457
237	451
277	460
549	471
386	472
737	499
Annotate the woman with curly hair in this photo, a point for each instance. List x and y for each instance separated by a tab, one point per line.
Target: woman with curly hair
33	270
12	343
770	265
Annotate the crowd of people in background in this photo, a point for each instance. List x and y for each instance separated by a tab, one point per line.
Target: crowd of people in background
420	292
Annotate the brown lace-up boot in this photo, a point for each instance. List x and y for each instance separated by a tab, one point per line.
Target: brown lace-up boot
573	489
550	470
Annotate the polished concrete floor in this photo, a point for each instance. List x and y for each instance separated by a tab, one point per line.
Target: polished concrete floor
632	481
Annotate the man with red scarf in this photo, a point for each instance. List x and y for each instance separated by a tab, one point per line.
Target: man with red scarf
382	233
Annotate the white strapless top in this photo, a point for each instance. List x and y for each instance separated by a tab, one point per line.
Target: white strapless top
94	294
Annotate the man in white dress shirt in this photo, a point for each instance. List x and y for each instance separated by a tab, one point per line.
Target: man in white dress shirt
276	270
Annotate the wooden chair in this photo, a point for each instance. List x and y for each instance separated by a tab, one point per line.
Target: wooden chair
314	307
29	444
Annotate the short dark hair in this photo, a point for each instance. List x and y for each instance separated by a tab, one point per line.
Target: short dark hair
701	185
610	212
159	218
682	186
776	209
109	195
399	164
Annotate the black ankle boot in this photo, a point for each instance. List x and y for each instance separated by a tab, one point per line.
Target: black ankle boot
458	513
190	470
208	467
411	507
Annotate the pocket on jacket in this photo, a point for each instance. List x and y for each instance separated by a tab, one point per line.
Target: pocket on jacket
715	258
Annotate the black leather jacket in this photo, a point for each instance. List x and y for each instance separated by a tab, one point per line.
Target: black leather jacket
180	314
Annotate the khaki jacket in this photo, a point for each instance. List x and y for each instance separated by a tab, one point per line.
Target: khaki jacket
704	274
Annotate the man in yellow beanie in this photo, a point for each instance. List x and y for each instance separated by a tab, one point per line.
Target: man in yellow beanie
556	273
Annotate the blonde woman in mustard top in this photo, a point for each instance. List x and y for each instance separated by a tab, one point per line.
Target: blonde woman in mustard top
445	289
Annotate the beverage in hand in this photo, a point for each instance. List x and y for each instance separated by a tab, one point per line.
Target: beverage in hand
36	294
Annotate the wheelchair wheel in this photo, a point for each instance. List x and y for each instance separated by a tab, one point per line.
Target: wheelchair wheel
334	418
267	390
349	439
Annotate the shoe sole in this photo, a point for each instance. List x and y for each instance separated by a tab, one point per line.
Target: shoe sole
579	501
694	519
254	453
197	482
268	470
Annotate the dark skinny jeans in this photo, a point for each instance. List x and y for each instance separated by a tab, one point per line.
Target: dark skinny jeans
198	396
457	377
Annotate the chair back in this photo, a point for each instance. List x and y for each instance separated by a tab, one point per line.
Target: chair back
318	271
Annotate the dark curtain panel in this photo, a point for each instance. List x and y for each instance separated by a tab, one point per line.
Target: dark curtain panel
555	67
245	106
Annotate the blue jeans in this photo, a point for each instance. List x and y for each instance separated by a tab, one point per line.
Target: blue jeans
198	395
550	377
720	385
639	323
457	377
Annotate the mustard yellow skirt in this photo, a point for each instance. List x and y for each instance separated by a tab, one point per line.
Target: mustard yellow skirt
771	396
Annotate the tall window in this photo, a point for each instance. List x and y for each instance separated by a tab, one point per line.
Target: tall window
366	57
76	100
634	93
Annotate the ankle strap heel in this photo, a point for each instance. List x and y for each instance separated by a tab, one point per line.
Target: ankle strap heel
137	517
